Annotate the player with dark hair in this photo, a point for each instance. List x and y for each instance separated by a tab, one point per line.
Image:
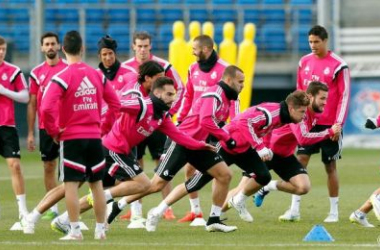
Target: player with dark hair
206	72
324	66
109	66
74	98
39	78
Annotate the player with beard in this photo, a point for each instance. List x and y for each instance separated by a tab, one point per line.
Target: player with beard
39	78
204	73
283	143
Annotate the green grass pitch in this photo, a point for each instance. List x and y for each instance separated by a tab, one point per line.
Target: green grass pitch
359	176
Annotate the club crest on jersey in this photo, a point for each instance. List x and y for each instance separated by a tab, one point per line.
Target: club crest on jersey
85	88
120	79
326	71
307	69
42	77
213	75
196	73
4	77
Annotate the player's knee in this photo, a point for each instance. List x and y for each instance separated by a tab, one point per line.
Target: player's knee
330	168
15	167
302	189
146	185
49	167
157	185
225	177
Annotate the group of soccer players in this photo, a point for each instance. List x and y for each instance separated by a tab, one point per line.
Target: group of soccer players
100	121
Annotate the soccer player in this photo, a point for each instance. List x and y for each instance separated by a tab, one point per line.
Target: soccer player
283	142
39	78
109	66
71	109
250	153
142	45
13	87
324	66
205	72
360	215
211	109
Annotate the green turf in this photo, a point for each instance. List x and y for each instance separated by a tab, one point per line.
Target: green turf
359	176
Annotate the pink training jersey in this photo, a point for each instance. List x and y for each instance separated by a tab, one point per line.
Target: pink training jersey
332	71
169	72
13	79
197	83
118	81
132	86
284	140
71	104
39	78
209	110
249	127
137	122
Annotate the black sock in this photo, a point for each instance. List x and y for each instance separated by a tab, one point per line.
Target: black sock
213	219
115	212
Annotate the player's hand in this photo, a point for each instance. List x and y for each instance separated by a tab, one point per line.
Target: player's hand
210	147
265	154
371	123
337	129
56	138
231	143
30	143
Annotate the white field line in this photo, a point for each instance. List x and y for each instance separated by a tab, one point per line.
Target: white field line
110	243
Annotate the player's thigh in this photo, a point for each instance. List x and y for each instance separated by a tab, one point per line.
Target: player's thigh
171	162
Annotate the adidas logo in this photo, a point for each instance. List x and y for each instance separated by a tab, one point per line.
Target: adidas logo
85	88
